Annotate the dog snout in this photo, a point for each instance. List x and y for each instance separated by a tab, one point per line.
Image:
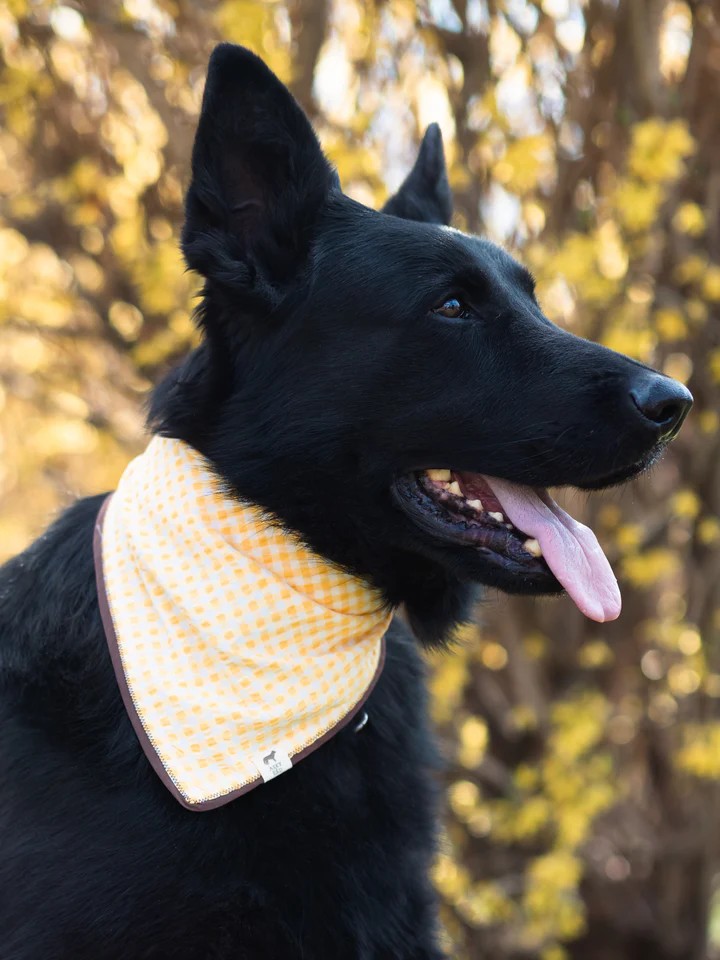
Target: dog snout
662	402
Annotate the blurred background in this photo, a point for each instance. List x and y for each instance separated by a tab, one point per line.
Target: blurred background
584	760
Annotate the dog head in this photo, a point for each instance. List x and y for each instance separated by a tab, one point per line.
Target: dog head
387	386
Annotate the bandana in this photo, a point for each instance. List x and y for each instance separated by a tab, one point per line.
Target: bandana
238	651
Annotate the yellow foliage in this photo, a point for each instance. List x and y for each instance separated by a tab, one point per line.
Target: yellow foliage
700	753
450	878
696	311
87	272
708	531
473	737
714	364
526	777
595	654
242	21
711	283
647	569
464	797
678	365
639	343
637	204
559	871
576	815
689	641
551	900
57	437
658	149
554	952
531	817
523	717
689	218
493	656
525	163
485	904
535	645
691	269
592	262
612	258
447	683
686	504
629	537
709	420
670	324
14	248
683	680
126	318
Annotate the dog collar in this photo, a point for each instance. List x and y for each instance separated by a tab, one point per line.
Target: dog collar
238	651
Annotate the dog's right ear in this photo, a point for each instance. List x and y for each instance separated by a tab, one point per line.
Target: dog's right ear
259	182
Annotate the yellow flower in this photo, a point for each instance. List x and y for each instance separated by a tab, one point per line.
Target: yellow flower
714	364
670	324
686	504
700	755
595	654
648	568
708	530
711	283
463	797
629	537
473	735
689	218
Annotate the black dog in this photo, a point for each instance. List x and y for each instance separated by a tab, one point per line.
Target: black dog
345	353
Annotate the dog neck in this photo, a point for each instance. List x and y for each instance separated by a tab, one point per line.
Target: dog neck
237	649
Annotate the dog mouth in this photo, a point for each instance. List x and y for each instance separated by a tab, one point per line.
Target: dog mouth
519	529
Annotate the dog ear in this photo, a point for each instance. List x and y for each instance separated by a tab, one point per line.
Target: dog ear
425	194
259	181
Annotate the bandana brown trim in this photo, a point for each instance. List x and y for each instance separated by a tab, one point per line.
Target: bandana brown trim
140	732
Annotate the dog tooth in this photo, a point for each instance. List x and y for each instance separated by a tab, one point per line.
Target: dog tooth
455	488
439	475
533	548
475	504
497	516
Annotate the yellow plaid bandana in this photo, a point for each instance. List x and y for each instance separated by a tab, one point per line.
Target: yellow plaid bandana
238	651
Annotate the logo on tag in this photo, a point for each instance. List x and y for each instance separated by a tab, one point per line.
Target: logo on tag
272	763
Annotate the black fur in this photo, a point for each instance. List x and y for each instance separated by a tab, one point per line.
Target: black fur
325	374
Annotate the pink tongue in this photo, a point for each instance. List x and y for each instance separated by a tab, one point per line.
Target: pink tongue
570	549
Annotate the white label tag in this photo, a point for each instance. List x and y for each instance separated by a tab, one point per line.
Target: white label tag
272	763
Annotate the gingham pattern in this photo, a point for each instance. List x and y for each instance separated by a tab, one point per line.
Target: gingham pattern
234	638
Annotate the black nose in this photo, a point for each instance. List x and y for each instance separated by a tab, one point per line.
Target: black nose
662	401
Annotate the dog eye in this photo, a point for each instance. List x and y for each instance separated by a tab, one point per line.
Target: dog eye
451	309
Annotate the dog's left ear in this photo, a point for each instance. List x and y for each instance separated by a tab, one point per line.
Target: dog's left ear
259	182
425	194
